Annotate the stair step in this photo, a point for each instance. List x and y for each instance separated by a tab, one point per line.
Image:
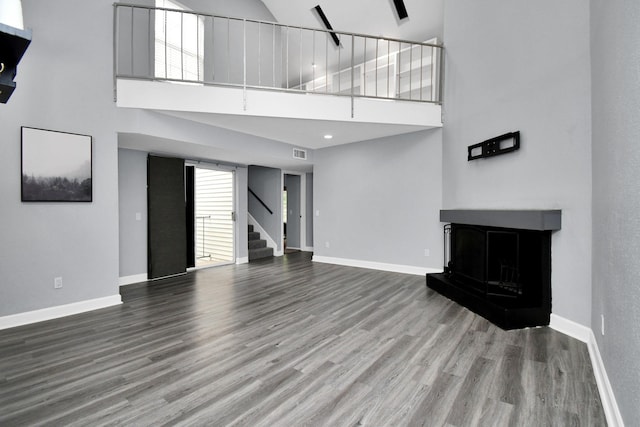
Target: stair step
254	235
257	244
250	228
260	253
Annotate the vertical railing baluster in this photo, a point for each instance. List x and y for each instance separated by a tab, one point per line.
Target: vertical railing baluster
287	59
228	50
364	66
300	61
259	57
198	47
326	62
399	88
213	48
182	45
339	69
151	47
132	36
421	70
116	51
410	69
244	61
273	54
353	44
313	60
377	43
440	73
388	68
166	59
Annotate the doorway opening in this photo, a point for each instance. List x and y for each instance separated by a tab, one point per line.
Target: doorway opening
291	213
213	217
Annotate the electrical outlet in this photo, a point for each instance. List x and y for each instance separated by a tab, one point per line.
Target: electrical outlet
138	216
326	244
427	252
602	324
57	282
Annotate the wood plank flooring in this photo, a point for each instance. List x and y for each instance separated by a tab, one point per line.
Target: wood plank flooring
286	342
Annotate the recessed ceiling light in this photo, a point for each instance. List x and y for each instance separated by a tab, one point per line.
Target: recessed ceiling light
328	136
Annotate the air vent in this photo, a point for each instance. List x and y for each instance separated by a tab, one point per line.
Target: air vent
299	154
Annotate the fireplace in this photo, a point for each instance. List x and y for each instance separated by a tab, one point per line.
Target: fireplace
498	264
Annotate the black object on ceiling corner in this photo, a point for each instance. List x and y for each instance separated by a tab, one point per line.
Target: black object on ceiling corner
327	25
401	9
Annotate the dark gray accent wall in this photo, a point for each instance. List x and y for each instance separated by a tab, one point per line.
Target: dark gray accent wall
526	68
615	61
267	184
380	200
309	210
132	204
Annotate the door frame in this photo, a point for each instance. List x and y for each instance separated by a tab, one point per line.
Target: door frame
225	168
303	207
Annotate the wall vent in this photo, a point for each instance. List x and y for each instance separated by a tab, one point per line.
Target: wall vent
299	153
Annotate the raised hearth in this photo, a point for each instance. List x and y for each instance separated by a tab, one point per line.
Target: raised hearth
498	264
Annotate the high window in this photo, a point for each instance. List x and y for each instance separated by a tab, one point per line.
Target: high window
179	43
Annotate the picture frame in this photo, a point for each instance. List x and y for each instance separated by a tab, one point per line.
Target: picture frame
56	166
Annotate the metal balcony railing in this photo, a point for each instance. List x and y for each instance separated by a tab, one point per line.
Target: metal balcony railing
190	47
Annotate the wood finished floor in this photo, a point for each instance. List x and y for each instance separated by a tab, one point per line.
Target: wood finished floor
286	342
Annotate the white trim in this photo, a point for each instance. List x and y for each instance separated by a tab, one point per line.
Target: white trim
395	268
584	334
58	311
307	249
263	234
569	327
242	260
303	203
135	278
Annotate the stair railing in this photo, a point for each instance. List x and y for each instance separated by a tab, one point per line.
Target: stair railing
260	200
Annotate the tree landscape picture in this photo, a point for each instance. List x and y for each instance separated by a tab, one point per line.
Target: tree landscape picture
56	166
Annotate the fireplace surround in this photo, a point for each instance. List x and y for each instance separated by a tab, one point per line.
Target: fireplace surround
498	264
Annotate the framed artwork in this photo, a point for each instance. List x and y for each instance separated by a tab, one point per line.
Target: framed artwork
56	166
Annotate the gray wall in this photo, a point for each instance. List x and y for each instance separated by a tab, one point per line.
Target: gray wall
523	65
267	184
309	213
132	200
615	59
380	200
64	83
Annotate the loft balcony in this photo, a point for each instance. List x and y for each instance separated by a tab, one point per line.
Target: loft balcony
277	81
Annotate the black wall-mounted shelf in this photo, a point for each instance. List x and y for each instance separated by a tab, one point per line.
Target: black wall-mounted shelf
495	146
13	44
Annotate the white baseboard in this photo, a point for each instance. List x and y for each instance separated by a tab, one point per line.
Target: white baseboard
242	260
395	268
307	249
569	327
135	278
58	311
278	253
584	334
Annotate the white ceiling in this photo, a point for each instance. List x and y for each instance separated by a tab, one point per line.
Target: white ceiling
370	17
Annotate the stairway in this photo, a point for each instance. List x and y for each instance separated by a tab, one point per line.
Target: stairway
258	247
